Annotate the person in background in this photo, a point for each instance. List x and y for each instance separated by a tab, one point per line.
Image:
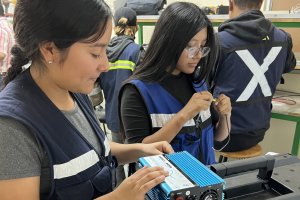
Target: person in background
9	8
6	43
123	56
167	97
51	143
253	56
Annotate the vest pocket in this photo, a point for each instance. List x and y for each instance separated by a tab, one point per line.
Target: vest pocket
80	191
103	181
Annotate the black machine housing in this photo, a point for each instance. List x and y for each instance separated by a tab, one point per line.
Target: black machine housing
264	177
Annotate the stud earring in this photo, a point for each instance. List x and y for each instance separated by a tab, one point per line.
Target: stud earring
50	62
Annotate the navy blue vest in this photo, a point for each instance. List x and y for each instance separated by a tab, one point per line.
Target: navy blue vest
112	80
249	73
162	106
78	171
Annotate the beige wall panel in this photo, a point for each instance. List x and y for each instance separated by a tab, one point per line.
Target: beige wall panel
283	5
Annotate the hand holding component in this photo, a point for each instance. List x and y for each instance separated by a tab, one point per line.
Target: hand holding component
223	105
199	102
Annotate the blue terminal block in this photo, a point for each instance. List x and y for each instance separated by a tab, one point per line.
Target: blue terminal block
188	178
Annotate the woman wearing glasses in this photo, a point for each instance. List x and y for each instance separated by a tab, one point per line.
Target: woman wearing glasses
166	98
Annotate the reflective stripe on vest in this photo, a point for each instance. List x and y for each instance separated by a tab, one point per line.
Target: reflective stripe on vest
122	64
159	120
79	164
163	106
75	165
258	72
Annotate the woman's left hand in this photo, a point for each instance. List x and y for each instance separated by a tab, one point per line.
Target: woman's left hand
157	148
223	105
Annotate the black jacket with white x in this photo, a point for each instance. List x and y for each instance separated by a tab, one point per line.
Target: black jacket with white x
253	56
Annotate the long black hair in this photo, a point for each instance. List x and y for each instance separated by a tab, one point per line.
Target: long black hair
176	26
63	22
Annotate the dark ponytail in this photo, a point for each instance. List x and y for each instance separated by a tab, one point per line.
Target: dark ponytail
18	60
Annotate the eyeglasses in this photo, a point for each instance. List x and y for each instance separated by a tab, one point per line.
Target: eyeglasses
193	51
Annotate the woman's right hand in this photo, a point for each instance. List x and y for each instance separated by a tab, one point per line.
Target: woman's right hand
200	101
137	185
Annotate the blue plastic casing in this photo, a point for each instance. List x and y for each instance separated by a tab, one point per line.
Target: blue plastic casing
188	178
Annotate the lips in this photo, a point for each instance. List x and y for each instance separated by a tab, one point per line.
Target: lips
193	64
93	79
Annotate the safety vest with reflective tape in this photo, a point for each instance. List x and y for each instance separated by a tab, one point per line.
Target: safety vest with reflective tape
77	170
112	80
162	106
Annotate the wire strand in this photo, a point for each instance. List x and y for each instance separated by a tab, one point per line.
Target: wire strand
228	131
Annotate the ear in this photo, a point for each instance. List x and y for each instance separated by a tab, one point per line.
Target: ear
47	50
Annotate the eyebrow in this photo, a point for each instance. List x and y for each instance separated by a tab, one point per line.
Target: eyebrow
98	45
195	40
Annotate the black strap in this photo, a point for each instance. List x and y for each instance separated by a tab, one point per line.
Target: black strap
131	168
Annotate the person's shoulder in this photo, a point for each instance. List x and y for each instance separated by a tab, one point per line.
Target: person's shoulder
280	33
135	46
10	124
6	26
283	32
4	33
22	151
136	50
13	130
129	89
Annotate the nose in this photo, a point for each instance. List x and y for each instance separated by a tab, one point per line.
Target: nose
104	64
198	55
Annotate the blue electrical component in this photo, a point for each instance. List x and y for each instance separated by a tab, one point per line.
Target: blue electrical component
188	178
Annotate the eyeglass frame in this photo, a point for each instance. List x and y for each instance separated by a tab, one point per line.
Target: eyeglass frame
204	51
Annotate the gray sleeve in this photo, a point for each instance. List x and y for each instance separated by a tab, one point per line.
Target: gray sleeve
20	153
